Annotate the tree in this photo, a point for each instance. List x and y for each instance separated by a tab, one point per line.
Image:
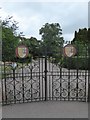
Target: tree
9	39
82	43
52	39
81	36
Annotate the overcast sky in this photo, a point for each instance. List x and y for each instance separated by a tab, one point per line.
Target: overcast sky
33	15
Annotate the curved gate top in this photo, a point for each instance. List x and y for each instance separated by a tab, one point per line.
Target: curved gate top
43	79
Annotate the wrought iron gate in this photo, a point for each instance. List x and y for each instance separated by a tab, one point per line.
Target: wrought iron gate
44	78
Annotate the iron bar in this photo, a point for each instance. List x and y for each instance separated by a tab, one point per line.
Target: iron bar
45	77
14	86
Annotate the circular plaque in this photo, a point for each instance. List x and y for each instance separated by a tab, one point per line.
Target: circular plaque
69	50
22	51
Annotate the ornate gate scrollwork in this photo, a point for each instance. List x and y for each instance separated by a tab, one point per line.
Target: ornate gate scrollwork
43	79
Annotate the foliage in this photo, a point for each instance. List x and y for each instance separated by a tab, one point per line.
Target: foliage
9	39
81	36
33	46
51	44
76	63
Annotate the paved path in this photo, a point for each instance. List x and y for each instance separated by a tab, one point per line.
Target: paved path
49	109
